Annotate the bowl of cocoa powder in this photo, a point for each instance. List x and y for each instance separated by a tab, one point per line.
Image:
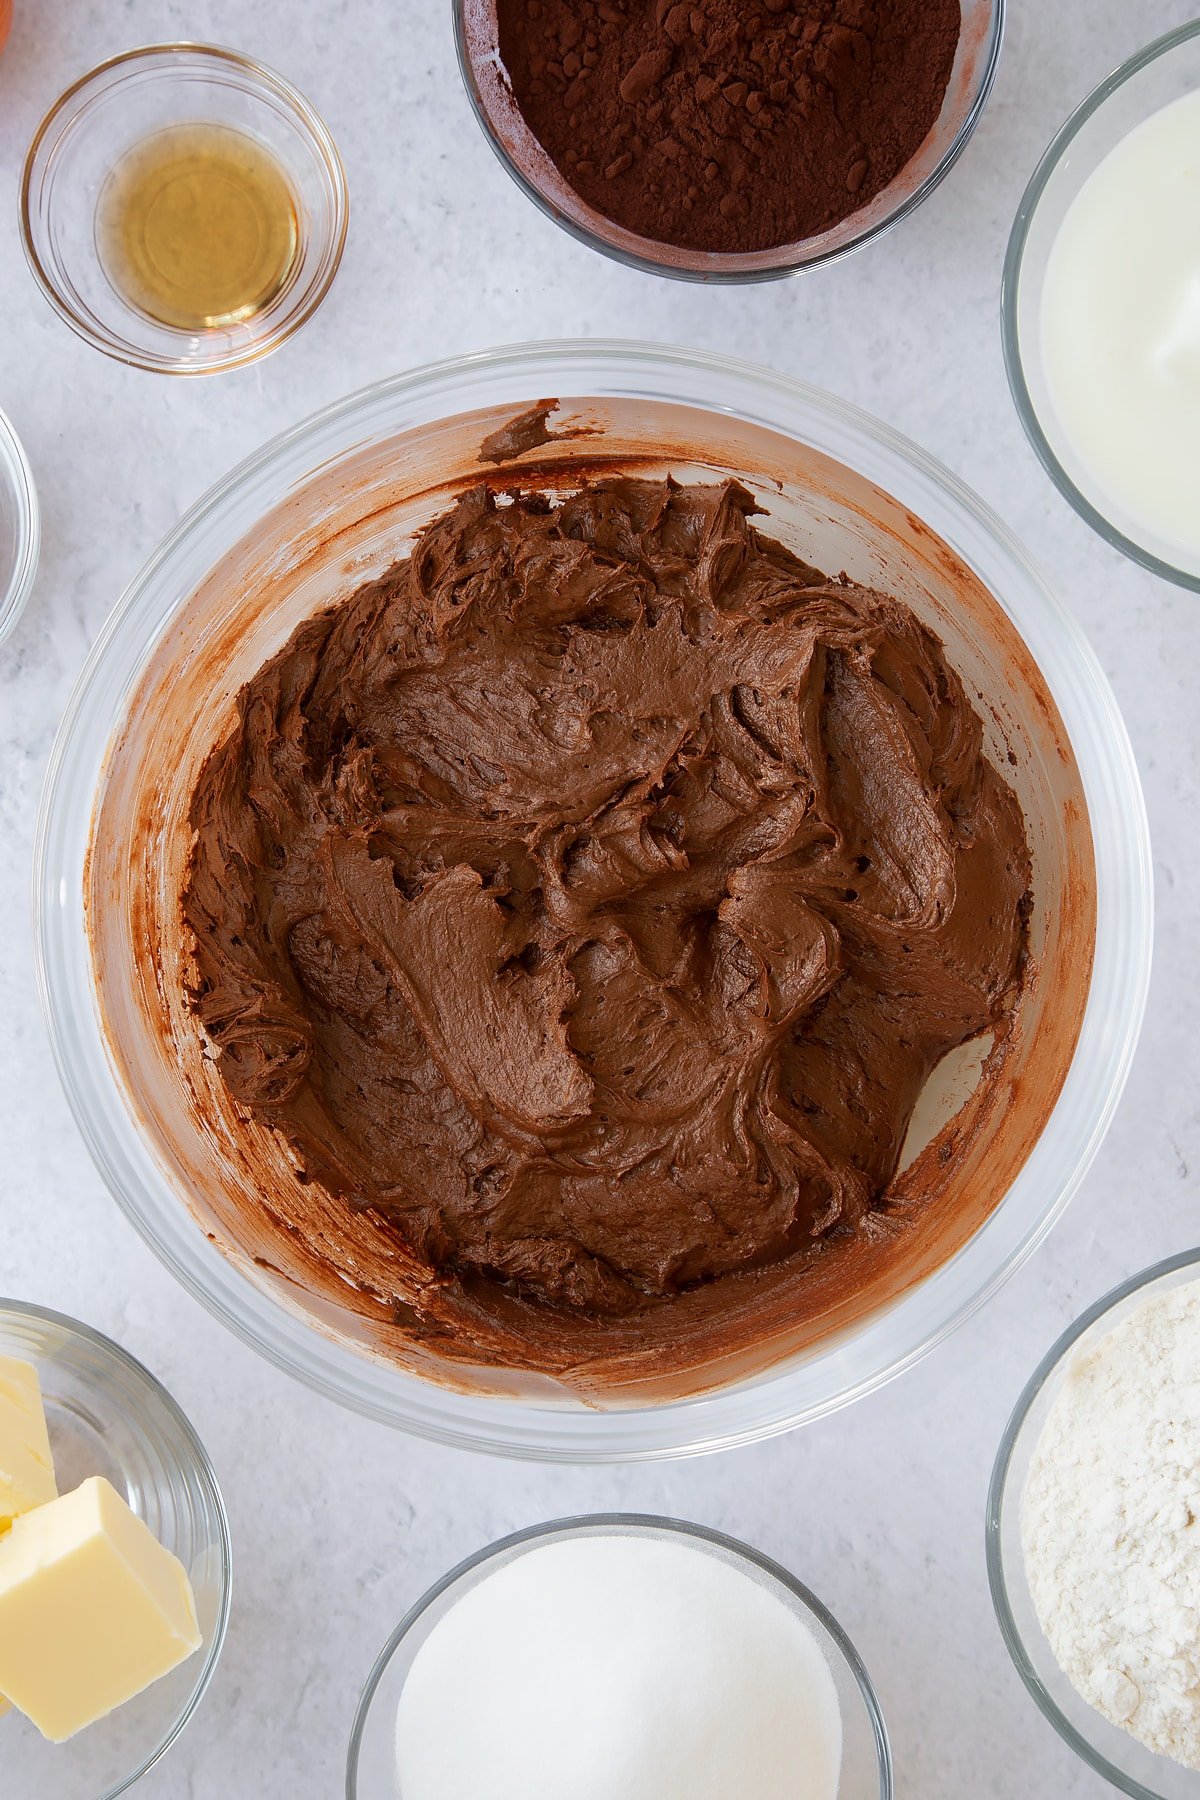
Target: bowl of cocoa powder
728	140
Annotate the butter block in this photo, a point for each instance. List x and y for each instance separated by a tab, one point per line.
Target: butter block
92	1610
26	1468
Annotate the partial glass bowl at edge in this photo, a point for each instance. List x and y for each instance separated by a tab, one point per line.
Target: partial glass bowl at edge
866	1757
119	104
1164	71
1113	1753
887	1342
108	1416
519	153
20	529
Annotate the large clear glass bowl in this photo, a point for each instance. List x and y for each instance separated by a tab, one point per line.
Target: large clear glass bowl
331	503
490	94
1162	72
1121	1759
866	1772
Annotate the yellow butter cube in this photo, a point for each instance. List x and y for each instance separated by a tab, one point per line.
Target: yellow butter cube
26	1469
92	1610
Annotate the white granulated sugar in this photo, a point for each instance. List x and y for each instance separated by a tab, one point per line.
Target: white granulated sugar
619	1668
1110	1524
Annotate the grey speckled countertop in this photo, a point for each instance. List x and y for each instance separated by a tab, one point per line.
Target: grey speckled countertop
339	1524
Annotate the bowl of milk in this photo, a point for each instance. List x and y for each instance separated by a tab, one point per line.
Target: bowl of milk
1101	308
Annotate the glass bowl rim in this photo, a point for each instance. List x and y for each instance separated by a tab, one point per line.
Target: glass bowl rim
314	129
1014	263
581	1524
703	1423
206	1475
1014	1642
726	271
15	462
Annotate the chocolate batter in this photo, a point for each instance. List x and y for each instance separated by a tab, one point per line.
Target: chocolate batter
592	896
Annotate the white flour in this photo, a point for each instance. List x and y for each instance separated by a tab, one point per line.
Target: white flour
1110	1522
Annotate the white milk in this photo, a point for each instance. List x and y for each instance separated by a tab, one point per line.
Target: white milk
1121	328
619	1668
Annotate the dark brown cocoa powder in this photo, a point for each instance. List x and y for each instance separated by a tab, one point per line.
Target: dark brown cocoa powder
729	125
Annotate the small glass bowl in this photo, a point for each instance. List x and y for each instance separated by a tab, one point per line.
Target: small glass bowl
120	104
866	1755
488	89
20	528
1121	1759
1162	72
108	1416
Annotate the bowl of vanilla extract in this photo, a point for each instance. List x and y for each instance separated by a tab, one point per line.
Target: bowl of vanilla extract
183	208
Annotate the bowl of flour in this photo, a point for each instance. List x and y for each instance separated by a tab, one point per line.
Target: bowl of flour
1093	1534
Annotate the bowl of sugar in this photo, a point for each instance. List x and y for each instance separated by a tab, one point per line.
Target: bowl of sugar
618	1657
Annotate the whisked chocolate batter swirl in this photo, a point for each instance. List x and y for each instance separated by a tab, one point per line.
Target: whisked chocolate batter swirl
592	896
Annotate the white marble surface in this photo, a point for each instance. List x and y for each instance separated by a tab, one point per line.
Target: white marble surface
340	1524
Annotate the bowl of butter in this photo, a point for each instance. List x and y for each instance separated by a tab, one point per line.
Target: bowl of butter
115	1563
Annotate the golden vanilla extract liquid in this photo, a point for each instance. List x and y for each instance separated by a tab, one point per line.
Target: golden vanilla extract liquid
197	227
